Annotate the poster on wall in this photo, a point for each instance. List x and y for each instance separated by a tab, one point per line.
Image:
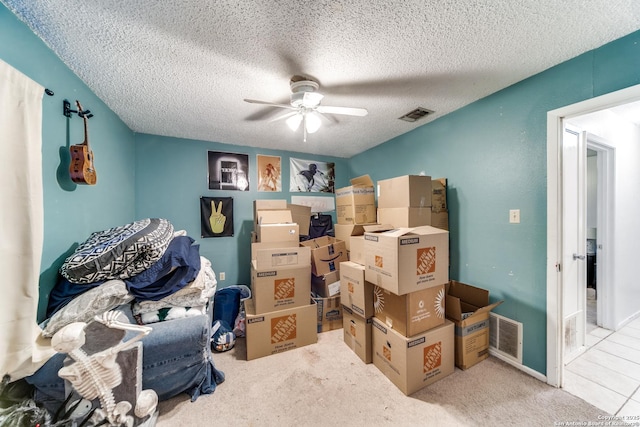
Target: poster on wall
269	173
216	216
228	171
309	176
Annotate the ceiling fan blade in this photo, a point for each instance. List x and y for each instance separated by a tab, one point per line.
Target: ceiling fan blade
273	104
349	111
283	116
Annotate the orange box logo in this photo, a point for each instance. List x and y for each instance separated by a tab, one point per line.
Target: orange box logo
352	330
432	357
283	328
284	288
350	287
386	353
378	261
426	261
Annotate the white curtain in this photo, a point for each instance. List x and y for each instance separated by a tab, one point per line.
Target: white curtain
21	222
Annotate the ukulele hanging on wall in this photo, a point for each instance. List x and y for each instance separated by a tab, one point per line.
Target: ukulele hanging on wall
81	168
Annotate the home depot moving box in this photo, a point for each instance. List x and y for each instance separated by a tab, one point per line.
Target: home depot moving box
412	313
405	217
278	331
355	292
405	191
416	362
329	313
357	333
468	307
405	260
281	278
356	204
326	254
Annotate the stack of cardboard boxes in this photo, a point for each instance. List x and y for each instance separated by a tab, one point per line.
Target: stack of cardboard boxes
393	288
327	253
280	316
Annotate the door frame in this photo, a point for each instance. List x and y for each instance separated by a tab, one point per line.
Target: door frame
604	224
555	118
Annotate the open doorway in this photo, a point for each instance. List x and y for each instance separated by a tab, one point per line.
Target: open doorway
560	260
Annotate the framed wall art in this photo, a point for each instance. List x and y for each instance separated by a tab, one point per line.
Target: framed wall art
228	171
216	216
269	173
309	176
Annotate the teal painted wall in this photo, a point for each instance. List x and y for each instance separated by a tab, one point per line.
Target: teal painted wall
171	176
71	212
493	153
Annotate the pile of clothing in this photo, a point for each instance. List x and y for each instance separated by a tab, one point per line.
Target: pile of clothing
146	263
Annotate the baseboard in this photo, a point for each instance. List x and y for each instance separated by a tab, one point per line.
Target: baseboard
535	374
628	320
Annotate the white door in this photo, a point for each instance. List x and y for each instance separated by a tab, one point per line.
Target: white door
574	243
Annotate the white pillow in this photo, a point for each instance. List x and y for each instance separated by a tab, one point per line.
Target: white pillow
87	305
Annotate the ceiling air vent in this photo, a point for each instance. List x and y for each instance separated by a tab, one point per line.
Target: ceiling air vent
416	114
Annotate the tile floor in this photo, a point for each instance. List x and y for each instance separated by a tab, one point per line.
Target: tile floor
607	375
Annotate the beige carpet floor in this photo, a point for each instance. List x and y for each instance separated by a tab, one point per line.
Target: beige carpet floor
327	384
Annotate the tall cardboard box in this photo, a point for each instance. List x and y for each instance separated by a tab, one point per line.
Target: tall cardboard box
327	253
267	205
329	313
279	331
438	194
356	204
301	215
405	217
468	307
406	260
412	313
357	333
405	191
440	219
416	362
355	292
281	278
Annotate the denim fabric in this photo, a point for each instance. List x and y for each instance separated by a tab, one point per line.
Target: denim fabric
176	358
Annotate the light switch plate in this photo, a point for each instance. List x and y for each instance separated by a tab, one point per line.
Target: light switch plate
514	216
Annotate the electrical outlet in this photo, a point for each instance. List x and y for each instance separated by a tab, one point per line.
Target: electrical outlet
514	216
222	275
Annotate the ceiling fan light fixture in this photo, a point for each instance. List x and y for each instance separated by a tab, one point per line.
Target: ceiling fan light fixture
294	121
312	122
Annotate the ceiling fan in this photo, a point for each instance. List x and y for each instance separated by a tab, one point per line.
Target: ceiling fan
305	106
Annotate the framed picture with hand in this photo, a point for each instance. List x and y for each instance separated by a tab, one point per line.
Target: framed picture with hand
216	216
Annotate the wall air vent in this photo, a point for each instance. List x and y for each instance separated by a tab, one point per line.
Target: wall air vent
505	337
416	114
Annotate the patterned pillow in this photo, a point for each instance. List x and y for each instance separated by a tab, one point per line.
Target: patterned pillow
119	252
85	306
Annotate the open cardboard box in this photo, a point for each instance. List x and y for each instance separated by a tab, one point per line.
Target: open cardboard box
468	307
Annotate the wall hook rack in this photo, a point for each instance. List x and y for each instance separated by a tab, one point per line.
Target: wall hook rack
66	106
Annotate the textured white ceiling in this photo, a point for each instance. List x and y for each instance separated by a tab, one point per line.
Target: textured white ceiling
183	68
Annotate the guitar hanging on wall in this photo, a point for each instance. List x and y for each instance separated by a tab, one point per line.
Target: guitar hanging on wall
81	168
